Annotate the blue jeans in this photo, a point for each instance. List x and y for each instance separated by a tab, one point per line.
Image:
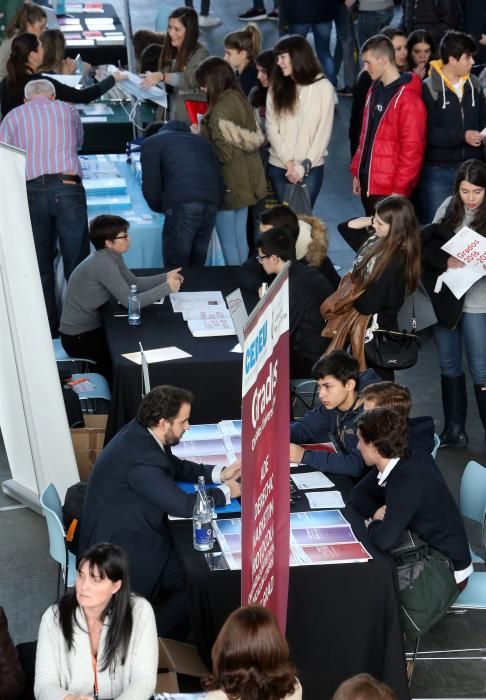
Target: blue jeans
370	23
59	217
186	234
344	52
279	181
231	230
472	331
435	185
322	38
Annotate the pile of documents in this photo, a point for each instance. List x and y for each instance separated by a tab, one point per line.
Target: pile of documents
205	312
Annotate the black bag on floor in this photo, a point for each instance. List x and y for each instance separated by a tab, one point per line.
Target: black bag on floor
71	514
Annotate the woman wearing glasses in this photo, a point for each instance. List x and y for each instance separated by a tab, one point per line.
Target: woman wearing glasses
100	277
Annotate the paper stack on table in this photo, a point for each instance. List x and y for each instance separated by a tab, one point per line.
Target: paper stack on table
205	312
157	355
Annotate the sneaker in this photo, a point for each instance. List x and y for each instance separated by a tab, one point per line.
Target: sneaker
252	14
273	15
209	21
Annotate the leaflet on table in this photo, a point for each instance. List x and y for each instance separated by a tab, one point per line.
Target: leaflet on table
105	185
208	328
312	480
233	507
185	301
114	202
207	314
319	447
353	552
325	499
157	355
94	109
321	535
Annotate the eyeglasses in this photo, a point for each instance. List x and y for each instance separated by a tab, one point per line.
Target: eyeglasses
122	237
262	257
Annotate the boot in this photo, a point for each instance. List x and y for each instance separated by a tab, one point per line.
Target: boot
480	391
454	401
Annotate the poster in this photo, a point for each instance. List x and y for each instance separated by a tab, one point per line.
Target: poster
265	453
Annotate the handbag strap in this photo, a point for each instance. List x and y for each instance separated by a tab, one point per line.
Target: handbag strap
414	320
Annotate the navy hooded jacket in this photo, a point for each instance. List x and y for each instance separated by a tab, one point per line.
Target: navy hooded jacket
179	167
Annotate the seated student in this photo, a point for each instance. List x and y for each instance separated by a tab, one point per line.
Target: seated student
406	490
397	397
307	290
100	640
339	380
311	244
250	659
100	277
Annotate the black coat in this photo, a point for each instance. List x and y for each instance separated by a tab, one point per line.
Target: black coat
416	497
131	490
437	16
309	11
434	262
180	167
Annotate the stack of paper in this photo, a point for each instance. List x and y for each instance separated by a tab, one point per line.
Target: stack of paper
208	328
205	312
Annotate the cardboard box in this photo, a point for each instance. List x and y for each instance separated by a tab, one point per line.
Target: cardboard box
177	657
88	442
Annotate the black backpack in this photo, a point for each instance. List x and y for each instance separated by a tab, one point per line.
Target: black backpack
71	514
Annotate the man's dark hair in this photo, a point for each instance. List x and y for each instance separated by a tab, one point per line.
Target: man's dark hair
277	241
380	45
455	44
392	32
162	402
106	228
281	217
150	58
363	687
338	364
386	430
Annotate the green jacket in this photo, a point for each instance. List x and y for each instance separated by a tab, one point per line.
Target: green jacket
231	128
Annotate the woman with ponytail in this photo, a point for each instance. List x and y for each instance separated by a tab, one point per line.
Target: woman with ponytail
240	51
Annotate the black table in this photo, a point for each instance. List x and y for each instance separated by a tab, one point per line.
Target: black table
212	373
99	54
342	619
112	132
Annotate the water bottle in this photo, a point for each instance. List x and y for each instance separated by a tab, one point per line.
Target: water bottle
202	520
133	306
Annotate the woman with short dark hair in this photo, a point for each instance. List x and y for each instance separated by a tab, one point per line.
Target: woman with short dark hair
100	640
299	118
251	659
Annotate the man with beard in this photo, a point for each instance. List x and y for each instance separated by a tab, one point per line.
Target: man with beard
132	490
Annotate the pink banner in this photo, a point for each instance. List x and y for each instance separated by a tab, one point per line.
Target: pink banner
265	453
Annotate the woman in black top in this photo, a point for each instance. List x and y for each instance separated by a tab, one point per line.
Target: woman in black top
387	266
26	57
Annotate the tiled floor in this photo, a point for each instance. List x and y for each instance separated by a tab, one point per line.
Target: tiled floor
28	576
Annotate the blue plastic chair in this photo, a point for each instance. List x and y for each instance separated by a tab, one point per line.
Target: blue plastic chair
474	595
52	510
80	364
436	445
472	502
97	397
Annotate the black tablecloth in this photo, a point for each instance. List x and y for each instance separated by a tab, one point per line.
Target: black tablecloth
99	55
342	619
213	373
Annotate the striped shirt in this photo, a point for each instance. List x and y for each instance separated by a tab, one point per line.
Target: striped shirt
49	131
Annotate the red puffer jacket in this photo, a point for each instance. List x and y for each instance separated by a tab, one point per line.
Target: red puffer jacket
399	142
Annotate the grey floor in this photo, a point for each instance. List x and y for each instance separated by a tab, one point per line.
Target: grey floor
28	576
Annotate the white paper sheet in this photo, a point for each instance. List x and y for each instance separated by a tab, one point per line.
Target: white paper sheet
157	355
459	279
325	499
312	480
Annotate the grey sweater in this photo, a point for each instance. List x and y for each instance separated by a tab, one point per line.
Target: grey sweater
475	297
100	277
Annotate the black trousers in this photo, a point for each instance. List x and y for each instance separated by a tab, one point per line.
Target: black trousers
91	346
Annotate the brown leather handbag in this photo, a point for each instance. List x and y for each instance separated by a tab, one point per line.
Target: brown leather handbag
344	324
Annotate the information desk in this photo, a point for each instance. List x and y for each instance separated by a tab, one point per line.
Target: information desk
97	52
213	373
342	619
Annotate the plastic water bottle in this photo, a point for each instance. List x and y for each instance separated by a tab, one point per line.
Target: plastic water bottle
202	520
133	306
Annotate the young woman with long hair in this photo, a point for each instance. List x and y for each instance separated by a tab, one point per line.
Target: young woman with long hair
251	660
240	51
230	126
421	50
461	322
264	62
28	18
181	55
299	116
24	64
387	266
100	640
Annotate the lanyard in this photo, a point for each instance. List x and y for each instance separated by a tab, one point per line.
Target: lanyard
95	684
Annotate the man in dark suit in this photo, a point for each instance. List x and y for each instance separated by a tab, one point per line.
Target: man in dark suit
131	491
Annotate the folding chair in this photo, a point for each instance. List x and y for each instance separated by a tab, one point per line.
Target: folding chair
52	510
